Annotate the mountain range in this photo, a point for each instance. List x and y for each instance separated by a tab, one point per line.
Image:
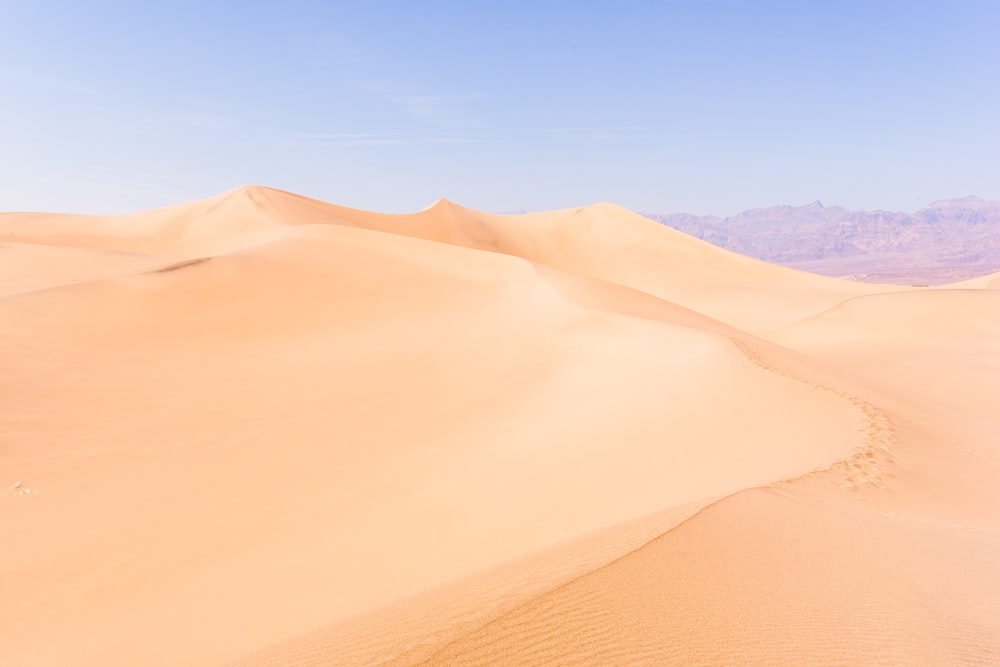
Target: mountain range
943	242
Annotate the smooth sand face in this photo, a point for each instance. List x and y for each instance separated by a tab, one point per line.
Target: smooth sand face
268	430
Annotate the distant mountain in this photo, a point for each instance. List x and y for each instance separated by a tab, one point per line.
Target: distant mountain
942	242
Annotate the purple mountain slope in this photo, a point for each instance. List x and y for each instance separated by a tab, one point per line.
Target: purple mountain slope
942	242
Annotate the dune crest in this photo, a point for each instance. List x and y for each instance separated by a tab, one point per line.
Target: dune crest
263	429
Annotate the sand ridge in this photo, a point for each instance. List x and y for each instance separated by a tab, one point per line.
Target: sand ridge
266	426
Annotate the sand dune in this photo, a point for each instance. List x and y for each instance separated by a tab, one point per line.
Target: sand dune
269	430
989	281
613	244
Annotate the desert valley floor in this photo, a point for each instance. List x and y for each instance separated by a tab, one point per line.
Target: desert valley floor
265	430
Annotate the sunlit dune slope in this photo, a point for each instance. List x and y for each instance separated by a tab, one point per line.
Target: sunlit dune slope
602	241
890	556
268	429
611	243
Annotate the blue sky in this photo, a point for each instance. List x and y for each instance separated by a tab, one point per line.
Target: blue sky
700	106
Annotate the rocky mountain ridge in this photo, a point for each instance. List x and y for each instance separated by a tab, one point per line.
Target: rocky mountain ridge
944	241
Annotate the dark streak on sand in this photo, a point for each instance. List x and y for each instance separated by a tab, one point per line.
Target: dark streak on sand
181	265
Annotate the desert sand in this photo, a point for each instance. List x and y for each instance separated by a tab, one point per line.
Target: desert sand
262	430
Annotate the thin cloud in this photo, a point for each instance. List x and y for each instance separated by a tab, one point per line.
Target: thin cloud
208	121
434	106
374	139
580	134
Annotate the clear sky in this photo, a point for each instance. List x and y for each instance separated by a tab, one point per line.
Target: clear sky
700	106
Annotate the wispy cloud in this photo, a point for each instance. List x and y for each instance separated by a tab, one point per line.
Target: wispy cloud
195	119
580	134
411	99
202	120
375	139
435	106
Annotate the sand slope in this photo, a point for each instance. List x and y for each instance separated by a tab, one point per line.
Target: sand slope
270	430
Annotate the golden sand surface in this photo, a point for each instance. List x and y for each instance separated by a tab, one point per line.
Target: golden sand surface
265	430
